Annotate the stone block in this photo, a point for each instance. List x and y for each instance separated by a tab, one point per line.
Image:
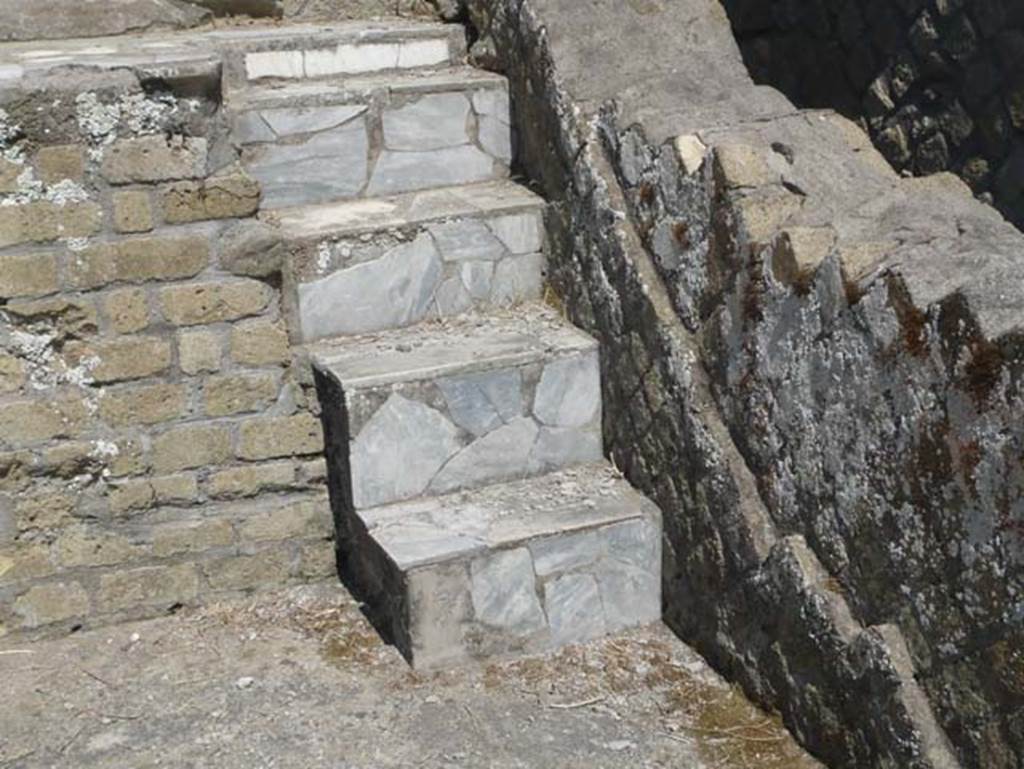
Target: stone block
43	221
198	303
798	252
82	546
238	393
12	373
138	259
127	310
526	566
248	572
149	587
9	173
44	510
27	561
55	602
133	211
397	172
28	275
191	537
122	359
740	165
191	446
309	518
58	163
465	404
143	405
199	351
154	158
24	422
249	480
221	197
259	343
272	437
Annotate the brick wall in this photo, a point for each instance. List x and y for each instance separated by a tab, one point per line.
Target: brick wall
157	444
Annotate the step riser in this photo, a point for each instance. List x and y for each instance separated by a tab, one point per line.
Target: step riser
366	283
400	441
322	55
376	145
531	598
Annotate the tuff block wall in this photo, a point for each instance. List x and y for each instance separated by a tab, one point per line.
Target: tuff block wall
158	442
939	85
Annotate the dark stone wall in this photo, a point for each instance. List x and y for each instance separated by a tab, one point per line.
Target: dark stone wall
939	84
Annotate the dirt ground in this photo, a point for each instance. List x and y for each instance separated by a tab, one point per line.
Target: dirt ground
300	679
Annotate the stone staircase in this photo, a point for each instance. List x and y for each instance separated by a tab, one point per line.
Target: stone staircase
475	513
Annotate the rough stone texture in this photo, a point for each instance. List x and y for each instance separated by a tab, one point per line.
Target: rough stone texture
940	86
526	566
379	137
817	446
200	677
93	18
417	418
363	267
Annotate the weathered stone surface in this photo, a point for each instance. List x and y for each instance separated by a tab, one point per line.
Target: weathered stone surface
52	602
42	221
569	393
330	165
237	394
267	438
138	259
218	197
121	359
394	290
500	454
259	343
28	275
504	597
403	171
182	448
154	159
573	606
53	19
153	586
143	405
399	451
199	351
481	402
196	303
127	310
58	163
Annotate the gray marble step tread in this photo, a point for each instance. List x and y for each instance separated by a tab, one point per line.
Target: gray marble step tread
165	48
437	529
358	89
354	217
469	343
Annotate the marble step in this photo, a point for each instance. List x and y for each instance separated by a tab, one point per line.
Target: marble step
317	142
367	265
249	54
522	567
458	404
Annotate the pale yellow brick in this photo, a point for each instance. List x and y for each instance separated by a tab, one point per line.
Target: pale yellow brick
12	373
144	405
247	572
238	393
197	303
59	163
259	343
199	351
127	310
26	561
138	259
79	546
28	275
271	437
180	489
248	480
306	519
133	211
146	493
122	359
131	495
46	604
43	221
44	510
154	158
148	587
222	197
192	446
29	421
191	537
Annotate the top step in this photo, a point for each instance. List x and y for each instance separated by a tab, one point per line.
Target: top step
254	53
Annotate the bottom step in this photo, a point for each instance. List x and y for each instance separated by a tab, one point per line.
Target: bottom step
514	568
